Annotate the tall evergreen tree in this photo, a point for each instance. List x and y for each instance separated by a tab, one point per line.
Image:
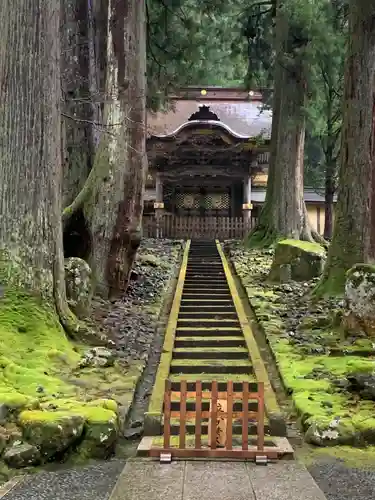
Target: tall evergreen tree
31	252
353	235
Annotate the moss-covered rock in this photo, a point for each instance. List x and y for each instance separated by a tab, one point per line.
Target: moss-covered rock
334	434
51	432
3	439
297	260
328	375
22	455
97	357
360	300
100	437
79	286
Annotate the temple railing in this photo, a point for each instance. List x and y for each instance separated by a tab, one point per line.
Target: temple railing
179	227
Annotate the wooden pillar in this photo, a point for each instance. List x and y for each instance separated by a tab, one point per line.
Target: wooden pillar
233	200
247	206
318	228
159	206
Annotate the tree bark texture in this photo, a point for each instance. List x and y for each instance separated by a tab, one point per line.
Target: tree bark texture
82	97
329	193
114	208
284	214
352	234
30	150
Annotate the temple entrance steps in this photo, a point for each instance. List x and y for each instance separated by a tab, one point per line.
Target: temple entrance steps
211	379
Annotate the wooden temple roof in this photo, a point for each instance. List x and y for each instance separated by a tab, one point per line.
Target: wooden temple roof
238	113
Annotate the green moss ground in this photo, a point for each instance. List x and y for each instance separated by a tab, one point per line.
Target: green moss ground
309	378
357	458
304	245
38	366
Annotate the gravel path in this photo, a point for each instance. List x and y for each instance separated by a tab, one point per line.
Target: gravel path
130	321
95	482
341	482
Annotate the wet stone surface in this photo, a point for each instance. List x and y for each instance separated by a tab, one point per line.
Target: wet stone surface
131	320
340	482
83	483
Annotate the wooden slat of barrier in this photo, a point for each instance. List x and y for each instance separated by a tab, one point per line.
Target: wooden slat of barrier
182	440
190	415
198	415
213	415
174	226
221	395
167	414
260	417
245	418
187	453
228	443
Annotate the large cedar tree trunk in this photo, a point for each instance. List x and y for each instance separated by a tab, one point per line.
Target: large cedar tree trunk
77	147
83	62
115	202
284	214
30	166
329	193
352	241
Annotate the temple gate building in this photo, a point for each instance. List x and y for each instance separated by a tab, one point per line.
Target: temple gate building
208	165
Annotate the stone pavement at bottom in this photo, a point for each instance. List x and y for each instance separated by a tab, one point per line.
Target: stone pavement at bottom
141	480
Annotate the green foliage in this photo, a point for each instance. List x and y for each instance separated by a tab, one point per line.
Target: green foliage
324	110
193	43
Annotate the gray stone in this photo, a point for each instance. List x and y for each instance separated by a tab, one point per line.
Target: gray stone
150	481
297	260
214	480
332	435
3	413
22	455
97	357
55	436
283	481
364	383
359	314
94	482
100	439
79	285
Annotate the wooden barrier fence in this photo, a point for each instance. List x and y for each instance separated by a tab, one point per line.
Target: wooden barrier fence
176	227
221	416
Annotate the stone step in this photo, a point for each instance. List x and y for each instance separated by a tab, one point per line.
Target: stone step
206	286
208	270
215	323
205	267
211	366
206	294
204	314
203	342
208	308
205	279
210	353
185	331
207	301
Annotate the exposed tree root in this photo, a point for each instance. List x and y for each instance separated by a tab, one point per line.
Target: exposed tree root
98	173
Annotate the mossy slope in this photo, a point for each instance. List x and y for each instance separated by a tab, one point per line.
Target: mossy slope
310	372
51	403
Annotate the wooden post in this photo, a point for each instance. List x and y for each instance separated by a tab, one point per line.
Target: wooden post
159	206
217	426
247	206
167	414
